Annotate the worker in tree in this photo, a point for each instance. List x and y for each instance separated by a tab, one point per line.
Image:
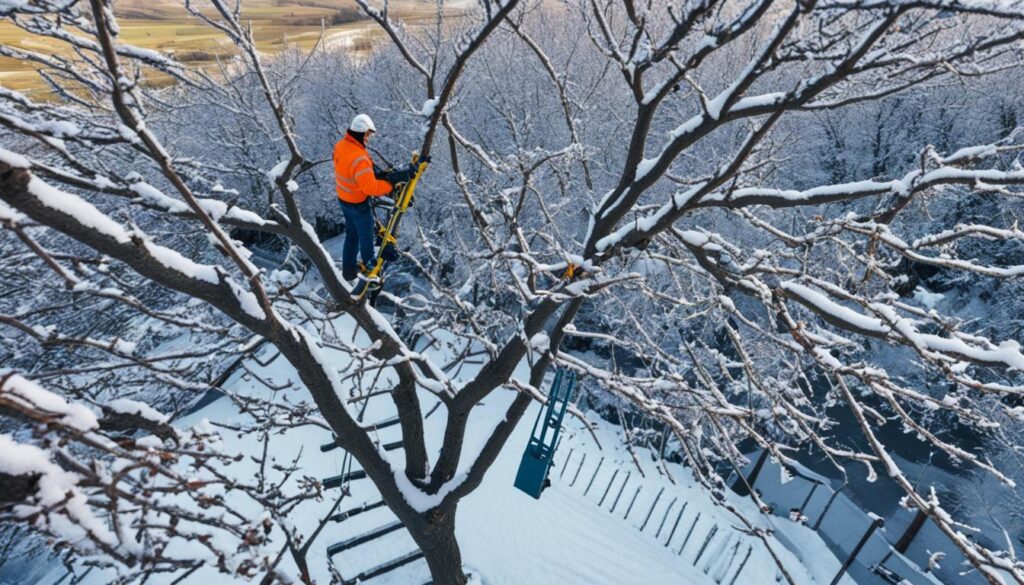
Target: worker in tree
357	179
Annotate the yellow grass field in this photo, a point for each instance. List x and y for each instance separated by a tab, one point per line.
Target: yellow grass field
164	25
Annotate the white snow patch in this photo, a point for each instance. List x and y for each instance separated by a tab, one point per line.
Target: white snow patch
175	261
540	342
8	213
145	55
13	159
834	309
9	6
757	101
35	397
123	346
247	300
59	129
278	170
128	406
153	196
55	488
85	212
420	500
927	298
428	107
644	167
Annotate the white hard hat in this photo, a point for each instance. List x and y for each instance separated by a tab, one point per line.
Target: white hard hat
362	123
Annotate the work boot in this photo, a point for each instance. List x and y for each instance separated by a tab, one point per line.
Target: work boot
389	253
372	282
364	274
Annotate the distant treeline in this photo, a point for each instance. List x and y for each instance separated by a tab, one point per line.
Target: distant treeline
193	56
340	16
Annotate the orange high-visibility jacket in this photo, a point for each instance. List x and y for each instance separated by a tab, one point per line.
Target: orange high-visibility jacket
353	172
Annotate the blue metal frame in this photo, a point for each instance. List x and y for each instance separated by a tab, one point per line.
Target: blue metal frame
533	469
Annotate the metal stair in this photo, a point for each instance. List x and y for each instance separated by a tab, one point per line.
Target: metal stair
363	538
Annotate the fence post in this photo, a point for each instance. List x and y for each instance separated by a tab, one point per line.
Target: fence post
915	526
664	439
732	557
875	523
566	464
665	517
807	500
621	489
651	511
707	541
608	489
676	525
743	485
582	461
689	533
593	477
828	505
742	564
632	501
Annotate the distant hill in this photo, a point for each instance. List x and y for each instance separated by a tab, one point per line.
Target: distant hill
166	26
278	12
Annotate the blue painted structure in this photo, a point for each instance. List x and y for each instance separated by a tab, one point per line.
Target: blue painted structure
533	469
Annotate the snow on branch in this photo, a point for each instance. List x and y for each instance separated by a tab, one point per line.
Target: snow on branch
997	8
109	501
889	324
81	220
25	394
645	227
58	505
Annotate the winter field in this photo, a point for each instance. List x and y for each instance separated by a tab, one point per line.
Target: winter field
165	25
509	538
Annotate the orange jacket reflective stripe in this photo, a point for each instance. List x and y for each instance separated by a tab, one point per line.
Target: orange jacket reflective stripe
353	172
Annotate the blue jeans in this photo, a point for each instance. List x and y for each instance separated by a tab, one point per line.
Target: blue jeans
358	237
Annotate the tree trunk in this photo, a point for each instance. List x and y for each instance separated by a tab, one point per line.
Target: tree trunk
441	549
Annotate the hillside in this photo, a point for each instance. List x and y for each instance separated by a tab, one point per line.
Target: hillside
568	536
166	26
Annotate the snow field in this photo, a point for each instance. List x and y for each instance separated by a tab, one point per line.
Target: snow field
571	535
676	515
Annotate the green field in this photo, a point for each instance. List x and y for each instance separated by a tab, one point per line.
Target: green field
164	25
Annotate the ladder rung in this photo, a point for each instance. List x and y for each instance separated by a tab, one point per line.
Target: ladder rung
386	567
363	538
374	427
339	480
384	424
393	446
342	516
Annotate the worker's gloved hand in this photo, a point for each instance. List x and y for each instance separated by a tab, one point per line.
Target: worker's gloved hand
425	159
396	177
402	176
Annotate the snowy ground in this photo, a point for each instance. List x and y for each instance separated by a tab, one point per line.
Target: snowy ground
585	528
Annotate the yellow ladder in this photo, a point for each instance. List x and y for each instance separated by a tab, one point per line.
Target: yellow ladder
389	233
